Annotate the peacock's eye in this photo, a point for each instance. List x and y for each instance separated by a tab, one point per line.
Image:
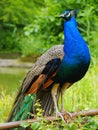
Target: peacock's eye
68	15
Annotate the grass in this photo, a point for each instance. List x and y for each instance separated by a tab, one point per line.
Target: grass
83	95
6	102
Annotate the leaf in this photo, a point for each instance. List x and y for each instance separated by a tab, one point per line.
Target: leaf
35	125
73	127
25	124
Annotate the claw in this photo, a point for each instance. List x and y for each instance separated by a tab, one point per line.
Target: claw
68	117
58	114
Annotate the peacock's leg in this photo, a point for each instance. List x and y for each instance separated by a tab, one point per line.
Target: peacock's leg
62	101
54	95
63	89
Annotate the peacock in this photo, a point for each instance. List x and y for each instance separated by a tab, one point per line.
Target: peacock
53	72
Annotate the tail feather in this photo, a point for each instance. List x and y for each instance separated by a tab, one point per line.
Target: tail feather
50	107
46	101
22	107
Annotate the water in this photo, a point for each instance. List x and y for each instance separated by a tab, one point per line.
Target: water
11	79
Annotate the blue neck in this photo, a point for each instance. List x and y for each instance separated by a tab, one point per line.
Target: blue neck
71	32
74	45
70	29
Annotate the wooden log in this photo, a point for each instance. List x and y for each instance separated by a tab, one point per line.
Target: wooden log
74	115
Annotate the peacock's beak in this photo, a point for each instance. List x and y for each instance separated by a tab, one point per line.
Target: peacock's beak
61	16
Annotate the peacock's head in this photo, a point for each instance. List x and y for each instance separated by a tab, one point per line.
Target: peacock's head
67	15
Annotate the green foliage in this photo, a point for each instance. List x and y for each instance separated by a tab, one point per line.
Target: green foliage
31	27
14	15
91	125
35	126
59	125
6	102
86	123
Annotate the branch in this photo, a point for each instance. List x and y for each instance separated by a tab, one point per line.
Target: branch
15	124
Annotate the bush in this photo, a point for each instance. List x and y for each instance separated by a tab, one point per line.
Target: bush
32	27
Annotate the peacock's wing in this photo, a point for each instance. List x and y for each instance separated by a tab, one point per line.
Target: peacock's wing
38	80
38	67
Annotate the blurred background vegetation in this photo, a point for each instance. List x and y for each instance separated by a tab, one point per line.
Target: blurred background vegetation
30	27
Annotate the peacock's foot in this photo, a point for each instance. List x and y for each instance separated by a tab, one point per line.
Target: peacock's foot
68	116
58	114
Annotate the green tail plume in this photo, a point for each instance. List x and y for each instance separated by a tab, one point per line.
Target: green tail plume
22	109
26	108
